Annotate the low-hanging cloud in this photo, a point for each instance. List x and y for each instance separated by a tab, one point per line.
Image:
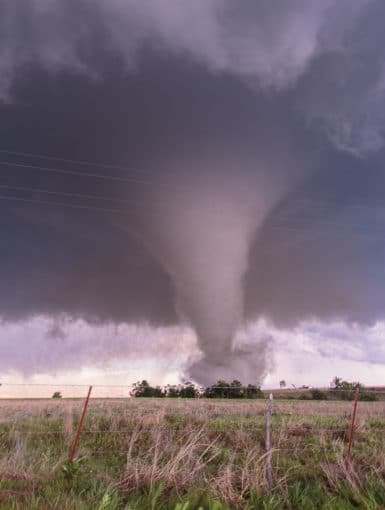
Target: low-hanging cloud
62	344
253	138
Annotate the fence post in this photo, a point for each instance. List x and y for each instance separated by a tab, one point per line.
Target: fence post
80	426
268	414
351	430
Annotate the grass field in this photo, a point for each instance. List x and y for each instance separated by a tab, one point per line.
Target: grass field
190	454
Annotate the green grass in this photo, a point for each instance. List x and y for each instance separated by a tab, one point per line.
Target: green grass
190	455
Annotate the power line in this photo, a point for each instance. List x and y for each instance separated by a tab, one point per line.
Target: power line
64	193
78	196
134	170
86	196
80	162
294	227
320	203
128	180
72	172
64	160
65	204
72	161
127	201
289	226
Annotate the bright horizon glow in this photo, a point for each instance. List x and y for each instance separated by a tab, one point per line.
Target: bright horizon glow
310	354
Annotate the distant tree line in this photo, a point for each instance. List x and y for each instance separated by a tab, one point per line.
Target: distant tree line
340	390
186	390
345	390
221	389
235	389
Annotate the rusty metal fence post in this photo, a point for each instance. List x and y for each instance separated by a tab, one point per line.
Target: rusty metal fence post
268	414
80	426
352	423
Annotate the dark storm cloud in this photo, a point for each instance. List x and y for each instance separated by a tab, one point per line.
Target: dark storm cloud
322	252
252	140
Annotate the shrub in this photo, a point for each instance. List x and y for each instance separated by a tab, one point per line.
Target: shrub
143	389
368	397
317	394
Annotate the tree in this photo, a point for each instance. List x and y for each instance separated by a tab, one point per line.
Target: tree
188	390
253	391
317	394
158	392
172	391
143	389
218	390
185	390
345	390
236	390
336	382
57	394
282	384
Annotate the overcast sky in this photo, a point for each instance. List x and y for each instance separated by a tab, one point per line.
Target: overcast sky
192	190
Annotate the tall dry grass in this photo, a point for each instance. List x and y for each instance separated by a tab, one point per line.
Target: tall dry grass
215	447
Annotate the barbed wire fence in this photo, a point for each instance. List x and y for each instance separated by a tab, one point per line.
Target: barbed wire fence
83	394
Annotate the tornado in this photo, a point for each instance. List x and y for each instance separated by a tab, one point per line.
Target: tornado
201	232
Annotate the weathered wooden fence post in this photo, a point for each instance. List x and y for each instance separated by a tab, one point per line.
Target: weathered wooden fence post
80	426
351	430
268	414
